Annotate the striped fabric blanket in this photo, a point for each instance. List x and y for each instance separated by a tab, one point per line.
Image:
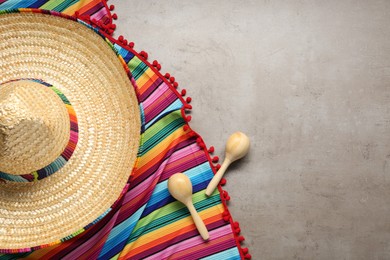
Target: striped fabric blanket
146	222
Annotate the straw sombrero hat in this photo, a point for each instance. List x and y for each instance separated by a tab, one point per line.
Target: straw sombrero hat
69	129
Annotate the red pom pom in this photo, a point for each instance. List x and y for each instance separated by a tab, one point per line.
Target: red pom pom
175	84
215	159
113	26
248	256
202	145
125	42
131	44
183	92
245	250
172	79
211	149
226	218
218	166
237	230
185	127
120	38
144	54
187	106
236	224
114	16
167	75
241	238
223	181
112	7
158	67
189	99
188	118
192	134
155	63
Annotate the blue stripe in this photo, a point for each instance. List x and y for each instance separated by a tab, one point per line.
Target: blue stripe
174	106
161	195
14	4
230	254
119	235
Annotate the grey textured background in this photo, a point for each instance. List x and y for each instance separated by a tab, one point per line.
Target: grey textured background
309	82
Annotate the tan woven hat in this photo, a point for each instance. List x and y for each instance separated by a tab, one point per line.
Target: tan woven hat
69	129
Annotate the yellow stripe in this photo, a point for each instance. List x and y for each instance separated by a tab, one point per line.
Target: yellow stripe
144	78
171	228
162	146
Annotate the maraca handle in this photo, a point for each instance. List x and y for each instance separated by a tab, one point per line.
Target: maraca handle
198	222
217	178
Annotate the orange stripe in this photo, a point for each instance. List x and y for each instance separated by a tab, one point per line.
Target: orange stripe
183	160
182	226
145	82
170	236
91	4
155	158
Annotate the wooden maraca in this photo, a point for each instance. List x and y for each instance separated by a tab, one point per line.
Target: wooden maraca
180	187
237	146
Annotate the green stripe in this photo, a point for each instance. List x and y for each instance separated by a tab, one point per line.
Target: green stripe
171	213
13	256
64	5
137	67
160	131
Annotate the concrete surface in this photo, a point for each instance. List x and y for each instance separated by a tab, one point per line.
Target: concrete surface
309	82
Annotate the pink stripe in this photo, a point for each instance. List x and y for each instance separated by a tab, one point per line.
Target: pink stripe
146	185
189	243
155	95
99	15
149	182
77	253
74	136
187	151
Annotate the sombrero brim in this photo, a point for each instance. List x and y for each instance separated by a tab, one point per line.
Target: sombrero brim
76	60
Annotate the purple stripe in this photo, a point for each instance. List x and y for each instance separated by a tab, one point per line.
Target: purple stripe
84	247
149	183
77	241
184	166
194	235
129	198
74	126
151	89
152	169
155	95
187	244
99	15
170	97
67	153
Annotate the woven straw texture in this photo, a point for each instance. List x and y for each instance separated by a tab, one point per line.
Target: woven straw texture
82	66
34	127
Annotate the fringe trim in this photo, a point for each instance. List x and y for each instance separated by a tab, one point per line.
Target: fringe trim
106	24
186	108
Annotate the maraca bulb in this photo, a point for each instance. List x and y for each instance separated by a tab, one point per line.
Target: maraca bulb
237	146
